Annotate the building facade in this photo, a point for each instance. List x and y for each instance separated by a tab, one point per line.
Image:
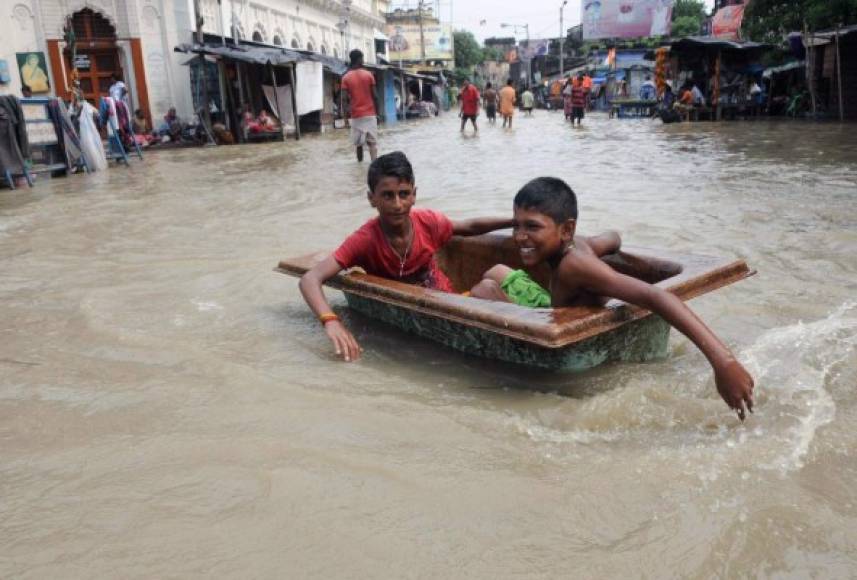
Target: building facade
134	39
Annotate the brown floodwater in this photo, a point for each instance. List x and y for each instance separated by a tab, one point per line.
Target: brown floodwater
169	407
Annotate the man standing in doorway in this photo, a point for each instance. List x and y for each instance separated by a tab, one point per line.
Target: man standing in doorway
117	90
359	85
469	99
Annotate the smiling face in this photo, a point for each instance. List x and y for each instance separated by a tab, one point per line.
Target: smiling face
393	198
538	237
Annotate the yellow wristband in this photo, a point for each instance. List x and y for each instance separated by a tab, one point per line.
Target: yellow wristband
327	317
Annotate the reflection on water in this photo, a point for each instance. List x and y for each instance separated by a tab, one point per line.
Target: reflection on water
170	408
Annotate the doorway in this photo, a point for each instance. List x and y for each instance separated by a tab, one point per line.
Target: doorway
97	54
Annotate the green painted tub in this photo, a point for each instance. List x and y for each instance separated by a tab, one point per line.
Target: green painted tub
575	338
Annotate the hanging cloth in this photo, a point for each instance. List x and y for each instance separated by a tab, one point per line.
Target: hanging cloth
11	121
92	147
309	92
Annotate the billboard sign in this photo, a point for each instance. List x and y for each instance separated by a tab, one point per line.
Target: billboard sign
404	41
727	22
625	18
534	48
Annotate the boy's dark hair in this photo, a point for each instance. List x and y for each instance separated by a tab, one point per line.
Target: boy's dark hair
393	164
488	85
510	82
550	196
356	57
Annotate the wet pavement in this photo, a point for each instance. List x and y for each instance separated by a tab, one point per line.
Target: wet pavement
170	408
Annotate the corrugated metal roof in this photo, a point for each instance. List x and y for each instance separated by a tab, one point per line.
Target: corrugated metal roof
264	55
710	41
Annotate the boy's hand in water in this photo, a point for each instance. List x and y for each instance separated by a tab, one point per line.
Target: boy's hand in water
344	342
735	385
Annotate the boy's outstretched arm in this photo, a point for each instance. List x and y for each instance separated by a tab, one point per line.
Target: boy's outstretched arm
310	285
733	381
607	243
478	226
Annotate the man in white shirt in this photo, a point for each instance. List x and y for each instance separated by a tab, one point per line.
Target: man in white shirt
698	97
117	90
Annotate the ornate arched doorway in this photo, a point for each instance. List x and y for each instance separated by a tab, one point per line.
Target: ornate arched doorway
97	53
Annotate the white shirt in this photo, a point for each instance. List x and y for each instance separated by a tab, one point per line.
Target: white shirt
698	98
117	90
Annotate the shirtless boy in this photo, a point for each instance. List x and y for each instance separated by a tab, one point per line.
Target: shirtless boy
545	218
400	244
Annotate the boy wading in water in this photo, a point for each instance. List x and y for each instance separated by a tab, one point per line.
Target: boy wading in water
399	244
359	85
507	103
545	218
490	99
469	99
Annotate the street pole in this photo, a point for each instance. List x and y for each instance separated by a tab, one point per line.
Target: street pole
529	57
839	74
422	34
561	41
220	22
205	118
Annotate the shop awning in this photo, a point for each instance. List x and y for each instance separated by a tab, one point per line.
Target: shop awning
276	56
823	37
712	42
775	70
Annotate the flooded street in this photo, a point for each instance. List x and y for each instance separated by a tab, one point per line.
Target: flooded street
170	408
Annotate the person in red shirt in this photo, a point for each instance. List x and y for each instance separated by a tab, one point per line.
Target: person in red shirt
399	244
469	100
359	85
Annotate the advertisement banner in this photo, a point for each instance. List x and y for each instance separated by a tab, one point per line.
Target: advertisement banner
536	47
405	41
625	18
727	22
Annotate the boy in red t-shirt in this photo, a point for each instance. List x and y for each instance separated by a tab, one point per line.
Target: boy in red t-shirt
359	85
399	244
469	99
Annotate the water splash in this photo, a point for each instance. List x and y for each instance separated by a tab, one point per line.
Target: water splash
793	367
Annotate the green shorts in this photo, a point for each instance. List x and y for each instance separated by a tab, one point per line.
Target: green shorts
523	290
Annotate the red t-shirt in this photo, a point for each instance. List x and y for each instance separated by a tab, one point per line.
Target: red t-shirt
368	248
578	96
469	100
359	82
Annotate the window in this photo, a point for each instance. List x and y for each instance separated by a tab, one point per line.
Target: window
295	43
257	36
323	49
278	41
310	47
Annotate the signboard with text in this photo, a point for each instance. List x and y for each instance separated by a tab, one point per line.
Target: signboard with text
626	18
404	41
727	22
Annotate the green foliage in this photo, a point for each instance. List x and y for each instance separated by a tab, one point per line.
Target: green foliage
686	26
492	53
688	16
689	9
460	74
771	20
468	53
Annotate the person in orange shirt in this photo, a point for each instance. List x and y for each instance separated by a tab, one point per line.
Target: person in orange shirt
587	89
685	101
507	102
